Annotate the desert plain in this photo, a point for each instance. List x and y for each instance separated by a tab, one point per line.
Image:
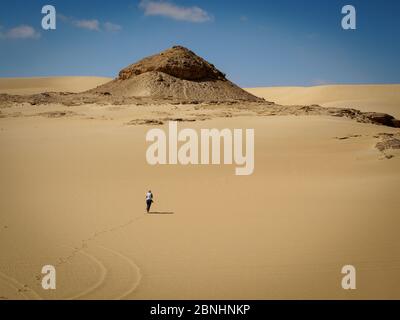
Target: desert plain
73	180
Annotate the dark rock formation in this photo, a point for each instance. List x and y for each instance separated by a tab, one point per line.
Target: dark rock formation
383	119
178	62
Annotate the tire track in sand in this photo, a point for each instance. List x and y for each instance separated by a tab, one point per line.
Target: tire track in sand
98	284
133	266
100	260
119	275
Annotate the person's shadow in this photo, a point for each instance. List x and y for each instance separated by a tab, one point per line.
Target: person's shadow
161	212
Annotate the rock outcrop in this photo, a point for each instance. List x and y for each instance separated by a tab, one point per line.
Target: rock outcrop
178	62
175	74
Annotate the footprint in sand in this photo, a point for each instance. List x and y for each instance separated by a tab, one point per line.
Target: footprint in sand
22	290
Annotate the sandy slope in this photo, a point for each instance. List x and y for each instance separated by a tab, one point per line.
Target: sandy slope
55	84
376	98
72	194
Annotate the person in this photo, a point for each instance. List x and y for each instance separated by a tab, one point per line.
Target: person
149	200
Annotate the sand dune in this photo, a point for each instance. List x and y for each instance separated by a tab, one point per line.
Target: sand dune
50	84
321	196
374	98
73	179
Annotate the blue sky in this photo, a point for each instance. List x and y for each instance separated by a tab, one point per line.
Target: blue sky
256	43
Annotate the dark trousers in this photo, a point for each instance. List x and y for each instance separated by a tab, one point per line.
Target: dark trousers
148	202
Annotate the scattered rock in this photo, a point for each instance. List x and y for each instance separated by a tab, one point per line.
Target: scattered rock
348	137
389	156
180	119
56	114
382	118
388	144
152	122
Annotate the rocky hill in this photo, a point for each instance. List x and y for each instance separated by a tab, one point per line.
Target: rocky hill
176	73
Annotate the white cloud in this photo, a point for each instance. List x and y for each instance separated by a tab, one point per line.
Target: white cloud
171	10
20	32
112	27
92	25
63	18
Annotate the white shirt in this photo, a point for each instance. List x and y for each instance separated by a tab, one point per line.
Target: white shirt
149	196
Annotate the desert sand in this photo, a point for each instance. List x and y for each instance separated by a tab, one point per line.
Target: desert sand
383	98
73	179
49	84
